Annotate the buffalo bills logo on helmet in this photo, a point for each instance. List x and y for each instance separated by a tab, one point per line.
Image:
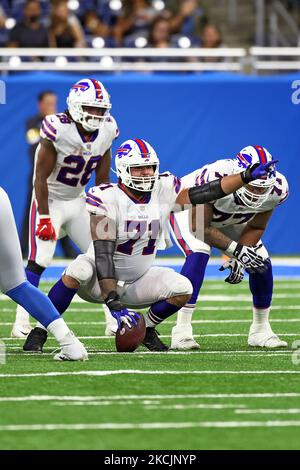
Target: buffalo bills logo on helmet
81	86
244	159
123	151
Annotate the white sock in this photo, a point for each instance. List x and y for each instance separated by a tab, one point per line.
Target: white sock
58	328
39	325
260	316
22	316
184	315
149	323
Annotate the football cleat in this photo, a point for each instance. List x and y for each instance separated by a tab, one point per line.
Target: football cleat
71	349
182	338
263	336
152	341
20	329
35	340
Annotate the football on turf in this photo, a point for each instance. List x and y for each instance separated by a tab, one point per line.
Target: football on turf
128	339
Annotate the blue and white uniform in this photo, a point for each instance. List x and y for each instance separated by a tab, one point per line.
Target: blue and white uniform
139	224
230	214
77	158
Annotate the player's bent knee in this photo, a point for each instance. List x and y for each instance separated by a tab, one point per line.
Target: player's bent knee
70	282
182	287
181	300
81	270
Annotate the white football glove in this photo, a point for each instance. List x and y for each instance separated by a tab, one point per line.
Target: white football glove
247	255
236	274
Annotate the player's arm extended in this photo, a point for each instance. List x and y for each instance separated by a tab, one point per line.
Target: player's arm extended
221	187
255	228
46	160
103	168
103	232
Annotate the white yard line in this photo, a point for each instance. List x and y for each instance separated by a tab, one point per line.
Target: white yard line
111	338
268	411
163	425
222	286
169	322
264	353
198	308
148	397
241	298
103	373
196	406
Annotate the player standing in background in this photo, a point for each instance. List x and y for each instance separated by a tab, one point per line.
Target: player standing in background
14	284
73	145
238	219
127	220
46	102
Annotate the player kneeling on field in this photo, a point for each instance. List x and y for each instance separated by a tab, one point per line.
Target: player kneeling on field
238	219
127	219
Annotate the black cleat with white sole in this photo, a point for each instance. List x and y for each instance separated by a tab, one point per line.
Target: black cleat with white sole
152	341
35	340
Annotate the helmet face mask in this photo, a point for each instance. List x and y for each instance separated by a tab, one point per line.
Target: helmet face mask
84	97
253	195
133	154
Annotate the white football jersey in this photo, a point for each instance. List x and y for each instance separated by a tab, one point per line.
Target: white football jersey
139	224
230	210
77	157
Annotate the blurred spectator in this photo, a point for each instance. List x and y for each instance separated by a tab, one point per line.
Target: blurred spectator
2	17
184	20
94	26
29	32
65	29
3	30
47	101
211	36
135	20
160	33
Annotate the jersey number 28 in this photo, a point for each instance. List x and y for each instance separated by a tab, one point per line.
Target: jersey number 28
71	175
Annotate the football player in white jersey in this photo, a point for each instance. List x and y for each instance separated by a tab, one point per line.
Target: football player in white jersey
127	220
238	219
14	284
73	145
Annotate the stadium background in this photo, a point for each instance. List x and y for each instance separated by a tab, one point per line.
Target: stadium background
190	119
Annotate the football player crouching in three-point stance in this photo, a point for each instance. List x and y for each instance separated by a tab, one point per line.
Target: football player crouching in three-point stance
73	145
127	219
14	284
237	219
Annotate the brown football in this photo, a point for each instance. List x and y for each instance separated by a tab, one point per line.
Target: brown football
128	339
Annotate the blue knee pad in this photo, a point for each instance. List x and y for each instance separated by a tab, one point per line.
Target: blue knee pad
261	286
35	302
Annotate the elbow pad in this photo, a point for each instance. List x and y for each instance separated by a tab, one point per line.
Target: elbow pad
206	193
104	252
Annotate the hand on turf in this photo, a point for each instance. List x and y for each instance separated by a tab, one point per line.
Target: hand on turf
45	230
236	268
